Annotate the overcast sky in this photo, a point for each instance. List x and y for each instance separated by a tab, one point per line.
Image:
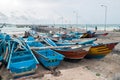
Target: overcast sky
58	11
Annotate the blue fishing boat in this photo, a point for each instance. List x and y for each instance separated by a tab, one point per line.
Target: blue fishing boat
2	47
67	36
49	58
4	50
77	35
21	61
67	42
7	47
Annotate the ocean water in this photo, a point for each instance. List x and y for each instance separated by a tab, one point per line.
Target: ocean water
109	27
11	29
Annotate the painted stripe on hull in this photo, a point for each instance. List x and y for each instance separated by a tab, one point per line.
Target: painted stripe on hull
98	51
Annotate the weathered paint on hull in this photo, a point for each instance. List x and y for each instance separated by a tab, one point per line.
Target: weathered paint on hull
79	54
100	51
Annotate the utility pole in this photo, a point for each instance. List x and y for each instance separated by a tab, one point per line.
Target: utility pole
105	16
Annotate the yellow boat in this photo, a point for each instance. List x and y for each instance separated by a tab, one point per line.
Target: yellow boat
101	50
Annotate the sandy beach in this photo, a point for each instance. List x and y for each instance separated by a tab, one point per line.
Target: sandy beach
91	69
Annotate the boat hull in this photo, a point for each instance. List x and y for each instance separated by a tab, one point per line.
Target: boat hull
49	63
100	51
49	58
2	47
87	35
74	53
21	60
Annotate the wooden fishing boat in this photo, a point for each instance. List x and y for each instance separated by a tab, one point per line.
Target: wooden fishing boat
75	52
49	58
2	47
67	36
21	61
90	34
4	38
7	48
97	50
101	50
1	50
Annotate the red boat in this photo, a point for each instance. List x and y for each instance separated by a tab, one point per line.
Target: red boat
73	52
76	53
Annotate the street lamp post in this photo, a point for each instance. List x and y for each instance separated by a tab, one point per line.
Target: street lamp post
105	15
76	13
62	21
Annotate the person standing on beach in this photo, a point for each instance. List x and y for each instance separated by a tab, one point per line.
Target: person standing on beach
95	28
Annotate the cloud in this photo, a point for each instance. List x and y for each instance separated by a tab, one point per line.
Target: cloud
50	11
